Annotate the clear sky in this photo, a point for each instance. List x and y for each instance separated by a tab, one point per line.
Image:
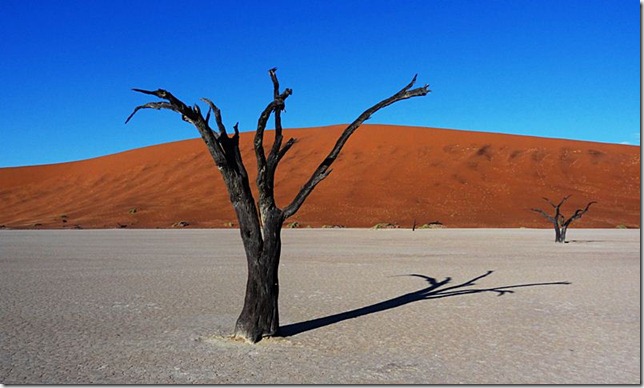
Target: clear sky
552	68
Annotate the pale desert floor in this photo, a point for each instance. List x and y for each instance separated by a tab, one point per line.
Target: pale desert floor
357	306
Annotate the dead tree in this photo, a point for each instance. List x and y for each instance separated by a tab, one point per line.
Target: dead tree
261	225
559	221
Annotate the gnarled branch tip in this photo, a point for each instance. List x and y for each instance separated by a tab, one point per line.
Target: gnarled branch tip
161	93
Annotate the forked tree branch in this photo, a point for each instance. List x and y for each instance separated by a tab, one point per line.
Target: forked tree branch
285	149
557	206
544	214
225	149
216	142
213	108
277	143
266	167
563	200
323	169
558	216
578	213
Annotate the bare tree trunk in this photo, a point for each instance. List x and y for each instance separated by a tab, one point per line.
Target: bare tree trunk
559	237
562	234
260	314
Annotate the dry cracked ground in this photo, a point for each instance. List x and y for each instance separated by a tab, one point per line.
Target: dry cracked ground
357	306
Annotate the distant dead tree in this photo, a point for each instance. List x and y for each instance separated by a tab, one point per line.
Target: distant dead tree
261	230
559	221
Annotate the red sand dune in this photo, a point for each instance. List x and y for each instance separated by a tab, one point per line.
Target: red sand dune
386	173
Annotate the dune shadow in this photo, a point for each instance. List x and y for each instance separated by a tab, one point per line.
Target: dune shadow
435	290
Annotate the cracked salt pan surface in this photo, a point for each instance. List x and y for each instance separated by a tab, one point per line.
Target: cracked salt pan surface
156	307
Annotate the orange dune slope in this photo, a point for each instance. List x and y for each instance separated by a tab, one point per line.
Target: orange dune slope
385	174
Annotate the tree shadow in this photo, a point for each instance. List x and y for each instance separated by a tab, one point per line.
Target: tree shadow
433	291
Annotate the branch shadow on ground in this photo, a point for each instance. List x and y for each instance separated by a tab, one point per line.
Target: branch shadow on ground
435	290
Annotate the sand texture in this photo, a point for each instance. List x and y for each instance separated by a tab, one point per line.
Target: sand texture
356	305
385	174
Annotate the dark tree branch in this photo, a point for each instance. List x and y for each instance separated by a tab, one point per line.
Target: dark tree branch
151	105
559	204
285	149
323	169
578	213
173	104
549	201
266	167
177	105
236	153
546	215
276	85
215	143
218	119
564	200
259	140
277	143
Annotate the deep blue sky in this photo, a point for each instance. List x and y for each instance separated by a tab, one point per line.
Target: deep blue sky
552	68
